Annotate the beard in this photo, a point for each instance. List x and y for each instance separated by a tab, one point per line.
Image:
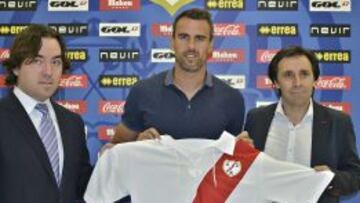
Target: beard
190	65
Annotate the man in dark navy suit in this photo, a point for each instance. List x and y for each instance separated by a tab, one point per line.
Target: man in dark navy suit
43	153
299	130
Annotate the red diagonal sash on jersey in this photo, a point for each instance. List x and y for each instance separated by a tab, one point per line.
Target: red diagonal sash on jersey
229	170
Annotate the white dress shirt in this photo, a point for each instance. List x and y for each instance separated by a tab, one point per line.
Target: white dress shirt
29	104
287	142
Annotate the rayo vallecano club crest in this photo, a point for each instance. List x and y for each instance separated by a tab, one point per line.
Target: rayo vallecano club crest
171	6
231	167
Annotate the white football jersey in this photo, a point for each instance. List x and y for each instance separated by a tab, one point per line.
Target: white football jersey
200	170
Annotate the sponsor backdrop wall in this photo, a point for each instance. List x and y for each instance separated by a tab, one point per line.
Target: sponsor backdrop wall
114	43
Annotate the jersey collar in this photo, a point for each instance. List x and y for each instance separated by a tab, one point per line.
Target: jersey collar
225	144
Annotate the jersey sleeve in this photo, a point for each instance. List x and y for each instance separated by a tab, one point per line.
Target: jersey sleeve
285	182
109	180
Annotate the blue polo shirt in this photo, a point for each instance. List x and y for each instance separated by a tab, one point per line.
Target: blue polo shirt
157	102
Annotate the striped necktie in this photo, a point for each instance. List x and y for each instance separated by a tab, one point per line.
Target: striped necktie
48	137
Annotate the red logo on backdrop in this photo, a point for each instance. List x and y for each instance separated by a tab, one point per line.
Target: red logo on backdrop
265	55
227	56
74	106
111	107
161	30
2	81
220	29
341	106
106	133
229	29
263	82
323	83
333	83
4	54
111	5
74	81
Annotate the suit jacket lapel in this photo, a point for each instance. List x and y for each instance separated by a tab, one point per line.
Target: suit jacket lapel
258	124
320	128
265	123
22	120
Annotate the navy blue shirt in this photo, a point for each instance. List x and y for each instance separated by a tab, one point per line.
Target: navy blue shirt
157	102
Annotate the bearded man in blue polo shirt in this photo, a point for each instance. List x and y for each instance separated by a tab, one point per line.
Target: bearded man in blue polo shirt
186	101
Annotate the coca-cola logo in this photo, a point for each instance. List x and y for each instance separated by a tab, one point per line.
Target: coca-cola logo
74	106
74	81
265	55
333	83
220	29
4	54
111	107
229	30
324	82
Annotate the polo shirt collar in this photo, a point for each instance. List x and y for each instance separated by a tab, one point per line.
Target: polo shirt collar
225	144
169	78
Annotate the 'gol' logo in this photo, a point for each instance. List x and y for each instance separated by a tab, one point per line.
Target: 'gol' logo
231	168
172	6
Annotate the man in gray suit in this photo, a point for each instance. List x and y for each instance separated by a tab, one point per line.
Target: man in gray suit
298	129
43	153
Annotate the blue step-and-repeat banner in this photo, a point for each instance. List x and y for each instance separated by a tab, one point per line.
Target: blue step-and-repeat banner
115	43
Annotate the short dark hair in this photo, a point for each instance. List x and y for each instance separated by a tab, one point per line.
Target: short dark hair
291	52
27	45
195	14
